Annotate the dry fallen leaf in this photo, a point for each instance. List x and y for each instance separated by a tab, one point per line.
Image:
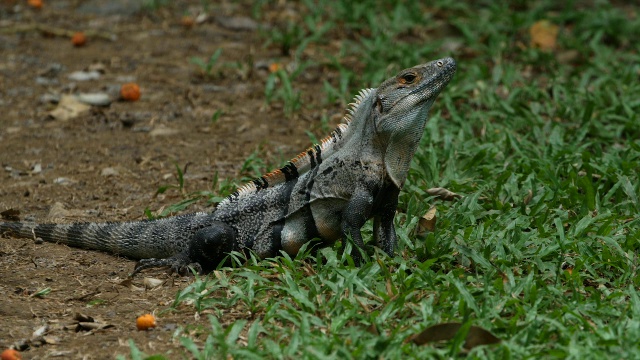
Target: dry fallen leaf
528	197
427	222
443	194
544	35
68	108
447	331
83	317
151	283
10	214
89	326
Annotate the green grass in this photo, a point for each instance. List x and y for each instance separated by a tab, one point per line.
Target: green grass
542	250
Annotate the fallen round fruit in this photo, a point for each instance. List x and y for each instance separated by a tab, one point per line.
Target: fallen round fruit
145	322
78	39
11	354
130	92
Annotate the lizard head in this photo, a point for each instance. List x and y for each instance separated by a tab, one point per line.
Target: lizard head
401	108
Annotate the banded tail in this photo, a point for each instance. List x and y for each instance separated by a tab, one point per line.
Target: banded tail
136	240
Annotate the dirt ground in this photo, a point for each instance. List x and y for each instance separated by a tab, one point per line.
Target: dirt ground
106	164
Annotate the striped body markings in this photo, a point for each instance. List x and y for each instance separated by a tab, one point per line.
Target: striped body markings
305	161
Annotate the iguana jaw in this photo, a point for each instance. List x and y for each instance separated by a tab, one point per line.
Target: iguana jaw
402	106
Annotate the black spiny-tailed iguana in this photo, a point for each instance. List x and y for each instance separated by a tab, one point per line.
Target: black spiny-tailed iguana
327	192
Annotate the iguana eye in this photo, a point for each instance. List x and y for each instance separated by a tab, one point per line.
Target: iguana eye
408	78
379	104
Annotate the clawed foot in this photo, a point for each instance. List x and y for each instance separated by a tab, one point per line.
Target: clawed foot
178	264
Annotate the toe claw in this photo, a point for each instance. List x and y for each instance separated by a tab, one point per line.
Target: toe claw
179	264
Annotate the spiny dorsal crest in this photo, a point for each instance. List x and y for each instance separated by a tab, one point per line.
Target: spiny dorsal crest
306	160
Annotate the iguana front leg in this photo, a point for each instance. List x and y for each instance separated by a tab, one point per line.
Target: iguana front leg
384	231
354	215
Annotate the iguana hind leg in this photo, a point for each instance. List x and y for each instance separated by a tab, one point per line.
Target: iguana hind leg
207	249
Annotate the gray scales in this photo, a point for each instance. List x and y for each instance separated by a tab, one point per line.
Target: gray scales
327	192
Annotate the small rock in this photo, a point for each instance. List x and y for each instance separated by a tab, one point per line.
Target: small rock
238	23
124	79
51	71
50	98
84	75
201	18
97	99
98	66
141	129
44	81
37	169
40	331
63	181
53	340
163	131
214	88
109	171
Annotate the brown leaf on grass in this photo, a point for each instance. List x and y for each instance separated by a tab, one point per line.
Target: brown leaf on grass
443	194
447	331
528	197
390	288
544	35
428	221
373	329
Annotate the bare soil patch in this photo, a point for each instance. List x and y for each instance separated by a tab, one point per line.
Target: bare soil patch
107	163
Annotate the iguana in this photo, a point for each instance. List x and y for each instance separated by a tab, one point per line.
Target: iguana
327	192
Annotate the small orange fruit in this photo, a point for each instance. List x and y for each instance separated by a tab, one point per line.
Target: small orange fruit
130	92
11	354
78	39
36	4
273	67
187	21
146	322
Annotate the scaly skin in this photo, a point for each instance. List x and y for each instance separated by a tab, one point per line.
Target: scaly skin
327	192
